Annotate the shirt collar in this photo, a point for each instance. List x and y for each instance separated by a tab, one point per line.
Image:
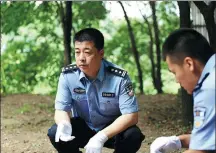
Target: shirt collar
100	74
208	67
82	75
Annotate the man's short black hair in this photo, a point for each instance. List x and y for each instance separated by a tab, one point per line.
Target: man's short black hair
90	34
186	42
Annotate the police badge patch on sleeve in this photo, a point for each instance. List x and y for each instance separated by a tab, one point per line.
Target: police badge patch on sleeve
199	116
129	89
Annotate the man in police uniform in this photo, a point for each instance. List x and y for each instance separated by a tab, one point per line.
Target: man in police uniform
105	109
192	60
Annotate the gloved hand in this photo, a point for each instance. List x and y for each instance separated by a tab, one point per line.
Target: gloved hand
64	131
165	144
96	143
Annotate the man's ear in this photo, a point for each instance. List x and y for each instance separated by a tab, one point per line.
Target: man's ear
189	63
101	53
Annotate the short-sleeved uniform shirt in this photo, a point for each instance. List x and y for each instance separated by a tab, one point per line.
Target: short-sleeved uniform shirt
99	102
203	133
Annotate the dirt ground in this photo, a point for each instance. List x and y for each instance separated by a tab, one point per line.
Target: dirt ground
25	119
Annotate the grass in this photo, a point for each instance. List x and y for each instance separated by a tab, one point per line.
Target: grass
26	108
46	107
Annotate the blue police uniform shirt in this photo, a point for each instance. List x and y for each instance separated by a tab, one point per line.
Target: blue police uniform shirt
99	102
203	133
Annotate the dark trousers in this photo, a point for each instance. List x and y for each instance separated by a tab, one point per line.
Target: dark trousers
128	141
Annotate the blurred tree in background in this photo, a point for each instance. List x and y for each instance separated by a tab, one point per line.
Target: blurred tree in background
34	49
37	41
208	12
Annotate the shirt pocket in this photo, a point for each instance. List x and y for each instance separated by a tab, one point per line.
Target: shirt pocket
109	106
81	104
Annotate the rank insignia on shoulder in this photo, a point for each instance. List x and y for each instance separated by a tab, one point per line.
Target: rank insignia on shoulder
117	71
69	68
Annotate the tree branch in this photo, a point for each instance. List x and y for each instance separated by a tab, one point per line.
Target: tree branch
212	5
202	6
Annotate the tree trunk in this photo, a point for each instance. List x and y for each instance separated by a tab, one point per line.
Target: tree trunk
208	13
184	10
134	49
151	55
66	19
158	80
187	107
186	99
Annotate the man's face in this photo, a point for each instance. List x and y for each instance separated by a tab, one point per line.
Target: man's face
88	57
185	73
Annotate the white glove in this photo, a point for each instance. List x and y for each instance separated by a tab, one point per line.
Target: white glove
96	143
165	144
64	131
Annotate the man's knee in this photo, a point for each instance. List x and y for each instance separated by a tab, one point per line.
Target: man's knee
134	135
129	141
52	132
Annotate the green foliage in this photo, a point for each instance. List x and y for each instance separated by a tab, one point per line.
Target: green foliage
119	50
10	13
18	14
34	49
168	19
87	14
120	44
26	64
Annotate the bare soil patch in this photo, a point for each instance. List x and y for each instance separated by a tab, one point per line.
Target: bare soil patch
25	119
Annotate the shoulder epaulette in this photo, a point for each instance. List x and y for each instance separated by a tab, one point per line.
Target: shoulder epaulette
69	68
117	71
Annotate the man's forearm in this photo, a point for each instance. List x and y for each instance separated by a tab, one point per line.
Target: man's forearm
185	140
61	115
121	124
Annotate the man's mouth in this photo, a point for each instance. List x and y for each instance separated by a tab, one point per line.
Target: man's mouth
82	65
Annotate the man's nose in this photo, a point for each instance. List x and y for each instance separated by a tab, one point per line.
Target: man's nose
82	57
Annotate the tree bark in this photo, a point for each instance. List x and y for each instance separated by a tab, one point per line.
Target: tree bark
186	99
66	19
134	49
208	13
151	53
184	11
158	80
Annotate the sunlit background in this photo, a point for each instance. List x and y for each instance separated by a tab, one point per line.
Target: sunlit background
32	42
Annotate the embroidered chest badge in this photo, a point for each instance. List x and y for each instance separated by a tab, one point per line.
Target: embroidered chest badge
199	116
79	90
